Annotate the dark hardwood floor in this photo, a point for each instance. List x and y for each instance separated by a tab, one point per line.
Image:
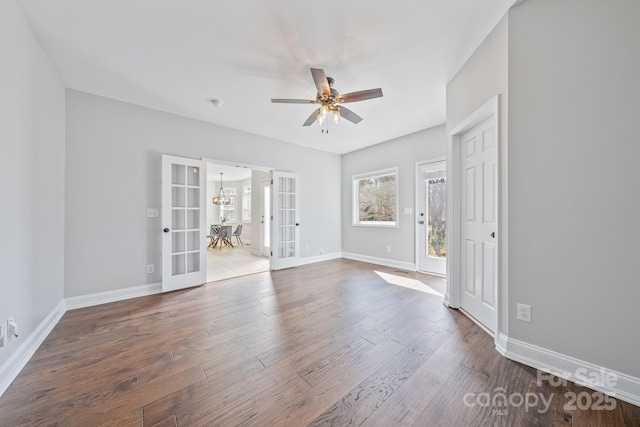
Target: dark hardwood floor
332	343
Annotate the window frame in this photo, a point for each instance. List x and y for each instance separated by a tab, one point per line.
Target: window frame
231	193
246	204
355	198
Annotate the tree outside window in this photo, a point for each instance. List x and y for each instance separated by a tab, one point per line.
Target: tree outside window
437	228
375	198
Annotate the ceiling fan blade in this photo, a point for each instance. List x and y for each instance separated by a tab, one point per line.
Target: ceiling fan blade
320	79
312	118
292	101
360	95
349	115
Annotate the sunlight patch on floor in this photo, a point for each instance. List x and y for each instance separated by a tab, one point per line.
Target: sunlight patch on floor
407	282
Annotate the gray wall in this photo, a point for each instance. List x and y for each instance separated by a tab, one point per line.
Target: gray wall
113	174
32	141
482	77
574	202
404	153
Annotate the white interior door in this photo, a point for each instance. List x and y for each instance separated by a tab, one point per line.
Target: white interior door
479	219
183	218
432	218
265	217
285	219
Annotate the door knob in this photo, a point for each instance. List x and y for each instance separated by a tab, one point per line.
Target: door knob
166	230
420	222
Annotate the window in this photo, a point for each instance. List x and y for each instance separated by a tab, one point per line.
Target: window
229	211
375	198
246	204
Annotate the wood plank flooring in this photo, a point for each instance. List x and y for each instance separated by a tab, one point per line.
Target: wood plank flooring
338	343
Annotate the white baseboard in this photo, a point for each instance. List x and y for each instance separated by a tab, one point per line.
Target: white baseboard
320	258
112	296
621	386
380	261
17	361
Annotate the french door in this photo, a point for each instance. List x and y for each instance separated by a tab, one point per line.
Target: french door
183	218
432	218
285	220
479	210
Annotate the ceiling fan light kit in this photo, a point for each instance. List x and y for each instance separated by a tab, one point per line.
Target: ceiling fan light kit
329	99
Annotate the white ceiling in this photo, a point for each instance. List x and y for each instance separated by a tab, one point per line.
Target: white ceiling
230	173
176	56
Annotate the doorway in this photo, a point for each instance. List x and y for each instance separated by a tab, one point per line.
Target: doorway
473	183
239	254
432	217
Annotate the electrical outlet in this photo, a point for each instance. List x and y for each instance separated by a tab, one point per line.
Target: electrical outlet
152	213
388	249
321	251
12	328
523	312
306	248
151	268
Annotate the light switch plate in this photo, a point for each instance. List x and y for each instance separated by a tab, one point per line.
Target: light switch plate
152	213
408	211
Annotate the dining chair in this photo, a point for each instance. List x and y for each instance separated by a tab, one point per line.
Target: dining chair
237	233
224	235
213	237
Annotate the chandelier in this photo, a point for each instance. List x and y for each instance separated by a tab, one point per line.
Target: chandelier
220	199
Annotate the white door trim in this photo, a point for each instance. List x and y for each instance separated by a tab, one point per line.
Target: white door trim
265	223
454	246
416	208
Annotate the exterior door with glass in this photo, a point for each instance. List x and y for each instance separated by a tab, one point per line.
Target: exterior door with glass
432	218
183	218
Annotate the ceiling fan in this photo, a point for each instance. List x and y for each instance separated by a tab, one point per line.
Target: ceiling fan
330	100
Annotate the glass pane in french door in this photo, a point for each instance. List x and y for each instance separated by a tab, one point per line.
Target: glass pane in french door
185	219
286	217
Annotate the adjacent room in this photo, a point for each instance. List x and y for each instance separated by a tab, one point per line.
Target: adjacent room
300	214
239	221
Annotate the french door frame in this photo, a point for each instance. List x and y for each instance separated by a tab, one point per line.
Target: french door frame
265	219
453	294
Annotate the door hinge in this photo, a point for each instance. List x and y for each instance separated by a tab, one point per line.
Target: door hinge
271	253
271	182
